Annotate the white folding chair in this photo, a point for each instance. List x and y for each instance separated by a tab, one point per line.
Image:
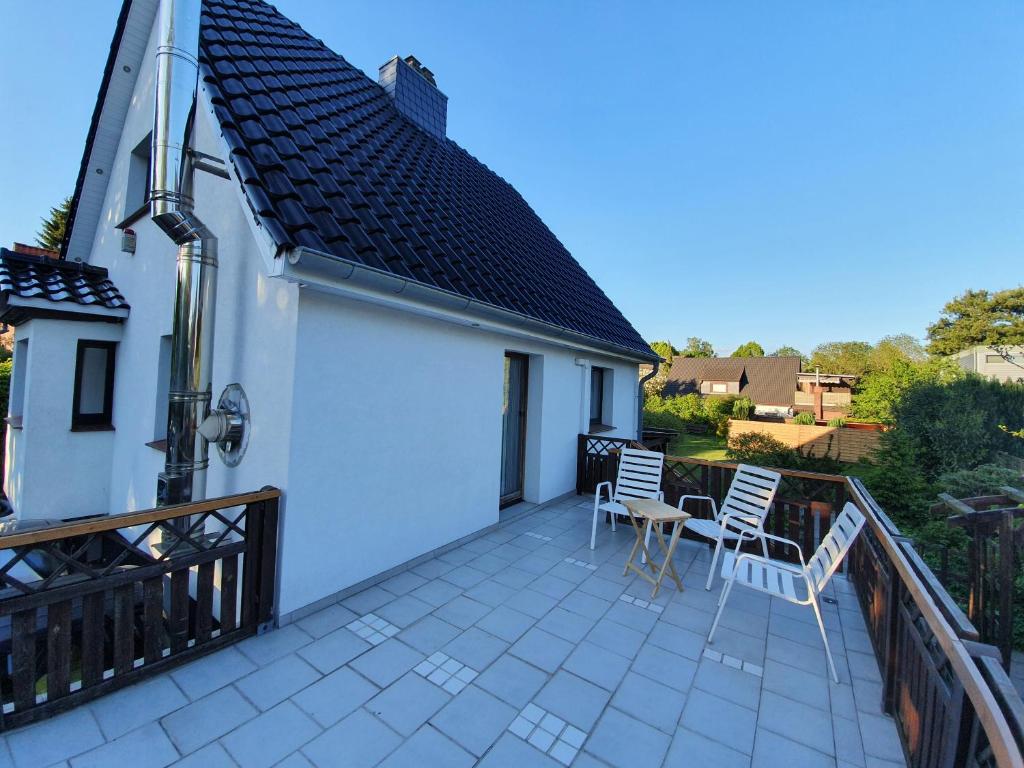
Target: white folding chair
639	477
744	509
782	580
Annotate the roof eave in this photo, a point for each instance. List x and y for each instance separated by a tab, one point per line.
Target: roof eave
334	274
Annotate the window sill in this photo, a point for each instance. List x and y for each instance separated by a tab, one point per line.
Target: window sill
93	428
597	428
134	216
14	422
158	445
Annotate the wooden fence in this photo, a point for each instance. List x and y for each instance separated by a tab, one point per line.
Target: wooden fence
90	606
840	443
954	704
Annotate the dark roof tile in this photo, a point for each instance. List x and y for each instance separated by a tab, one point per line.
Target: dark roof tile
328	162
39	277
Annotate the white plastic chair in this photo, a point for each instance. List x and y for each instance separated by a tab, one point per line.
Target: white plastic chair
744	510
639	477
782	580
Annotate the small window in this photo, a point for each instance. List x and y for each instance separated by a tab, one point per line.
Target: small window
719	388
596	395
94	385
136	195
16	404
163	385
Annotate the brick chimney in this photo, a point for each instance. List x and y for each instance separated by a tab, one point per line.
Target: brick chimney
413	89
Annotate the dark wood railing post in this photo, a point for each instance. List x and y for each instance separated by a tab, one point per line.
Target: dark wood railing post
890	638
1006	585
581	459
266	599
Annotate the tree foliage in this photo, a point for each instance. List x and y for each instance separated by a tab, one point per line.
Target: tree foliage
853	357
696	347
979	318
785	351
52	233
880	390
750	349
664	350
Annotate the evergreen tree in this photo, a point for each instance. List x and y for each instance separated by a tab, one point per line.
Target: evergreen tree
52	233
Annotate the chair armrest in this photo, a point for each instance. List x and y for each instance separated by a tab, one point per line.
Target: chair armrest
714	506
771	537
774	563
597	491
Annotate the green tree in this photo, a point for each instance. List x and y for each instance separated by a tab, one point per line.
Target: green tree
785	351
52	233
750	349
902	346
853	357
979	318
881	390
696	347
664	350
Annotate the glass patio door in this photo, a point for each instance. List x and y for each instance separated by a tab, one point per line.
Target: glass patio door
513	428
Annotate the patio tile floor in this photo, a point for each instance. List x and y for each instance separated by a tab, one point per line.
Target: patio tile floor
520	648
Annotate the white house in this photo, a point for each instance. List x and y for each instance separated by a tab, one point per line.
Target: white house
416	349
1001	364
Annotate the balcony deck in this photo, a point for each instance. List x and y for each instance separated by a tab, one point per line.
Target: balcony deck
526	624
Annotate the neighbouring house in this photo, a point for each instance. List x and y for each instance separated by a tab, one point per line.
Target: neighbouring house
334	228
992	363
769	382
826	395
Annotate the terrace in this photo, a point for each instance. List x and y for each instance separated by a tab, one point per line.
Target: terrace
518	647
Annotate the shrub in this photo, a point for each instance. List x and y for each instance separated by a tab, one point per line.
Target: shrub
717	411
980	481
839	421
805	418
743	408
761	449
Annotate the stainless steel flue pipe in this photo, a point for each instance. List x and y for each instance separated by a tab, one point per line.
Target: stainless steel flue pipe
172	203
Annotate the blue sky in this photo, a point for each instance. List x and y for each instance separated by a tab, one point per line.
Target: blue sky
791	173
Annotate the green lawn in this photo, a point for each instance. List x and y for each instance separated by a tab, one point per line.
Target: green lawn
707	446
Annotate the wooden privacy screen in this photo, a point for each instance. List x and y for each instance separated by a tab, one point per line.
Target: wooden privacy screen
91	606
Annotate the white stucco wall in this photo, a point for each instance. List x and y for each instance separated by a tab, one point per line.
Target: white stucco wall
51	471
255	323
396	431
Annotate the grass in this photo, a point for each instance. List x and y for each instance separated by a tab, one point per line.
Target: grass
709	446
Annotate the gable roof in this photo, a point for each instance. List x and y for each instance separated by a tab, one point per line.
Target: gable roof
31	285
765	380
328	163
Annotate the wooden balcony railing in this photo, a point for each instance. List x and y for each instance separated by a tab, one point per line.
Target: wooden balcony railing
90	606
954	705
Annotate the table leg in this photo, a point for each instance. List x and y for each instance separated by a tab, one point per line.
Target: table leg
667	566
639	545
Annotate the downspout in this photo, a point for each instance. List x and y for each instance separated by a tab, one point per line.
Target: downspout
171	195
640	399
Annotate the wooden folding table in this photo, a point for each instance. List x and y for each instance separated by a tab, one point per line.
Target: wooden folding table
655	513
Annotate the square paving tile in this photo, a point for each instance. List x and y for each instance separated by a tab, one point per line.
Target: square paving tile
325	621
476	648
387	662
690	749
127	709
799	722
728	683
597	664
335	696
55	739
372	628
650	701
361	740
573	699
207	719
474	719
408	704
287	727
666	667
531	602
429	747
146	747
720	720
462	612
270	685
542	649
445	672
772	750
566	624
332	650
404	610
436	592
624	742
506	623
511	751
428	634
512	680
617	638
209	673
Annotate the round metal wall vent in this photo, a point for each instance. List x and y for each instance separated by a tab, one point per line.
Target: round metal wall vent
228	425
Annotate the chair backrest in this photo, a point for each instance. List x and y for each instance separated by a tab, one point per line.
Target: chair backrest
751	493
835	545
639	474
